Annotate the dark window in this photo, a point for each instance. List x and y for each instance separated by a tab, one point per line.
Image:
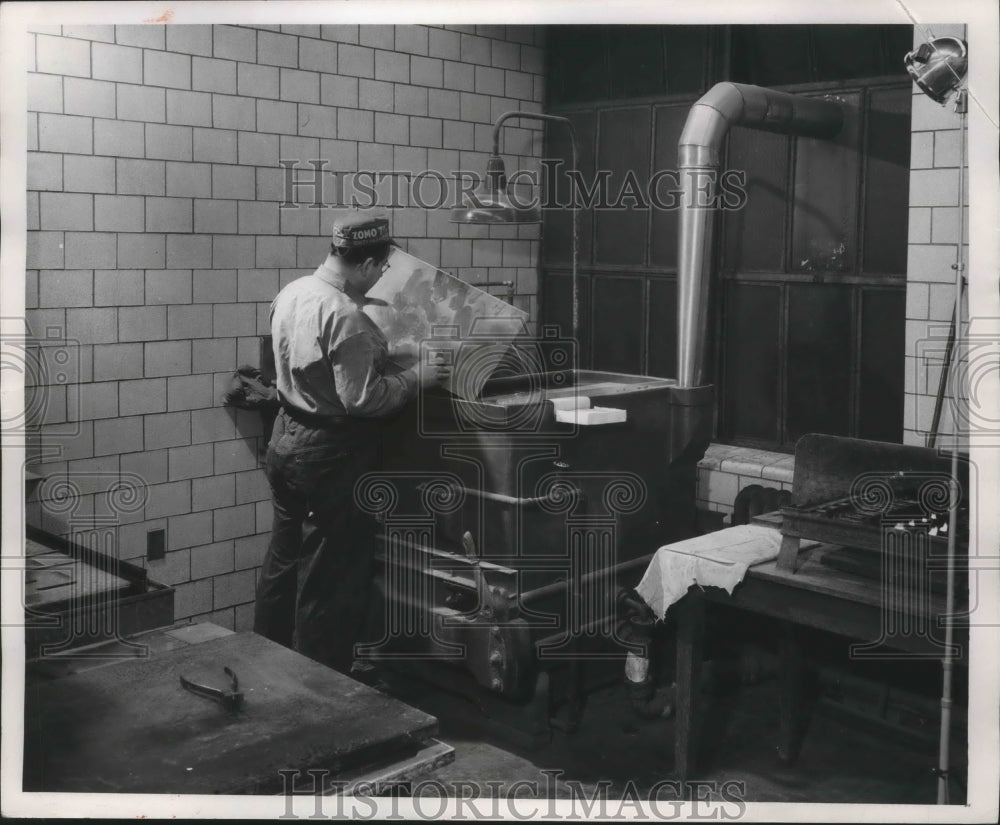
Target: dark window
808	290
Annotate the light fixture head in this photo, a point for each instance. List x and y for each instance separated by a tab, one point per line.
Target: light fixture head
938	67
494	205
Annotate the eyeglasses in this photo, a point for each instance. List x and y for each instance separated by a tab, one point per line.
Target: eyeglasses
383	266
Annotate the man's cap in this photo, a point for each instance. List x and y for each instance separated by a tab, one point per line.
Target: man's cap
352	231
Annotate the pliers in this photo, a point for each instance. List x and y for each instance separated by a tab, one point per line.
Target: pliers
229	699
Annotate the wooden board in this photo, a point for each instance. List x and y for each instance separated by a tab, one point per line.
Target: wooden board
132	728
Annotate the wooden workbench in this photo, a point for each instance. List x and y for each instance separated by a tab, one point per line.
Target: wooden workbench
130	727
815	596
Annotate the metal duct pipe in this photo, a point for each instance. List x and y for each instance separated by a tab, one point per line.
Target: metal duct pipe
724	105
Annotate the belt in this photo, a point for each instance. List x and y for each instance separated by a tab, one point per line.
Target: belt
332	423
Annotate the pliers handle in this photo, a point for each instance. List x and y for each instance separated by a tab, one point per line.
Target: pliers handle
230	699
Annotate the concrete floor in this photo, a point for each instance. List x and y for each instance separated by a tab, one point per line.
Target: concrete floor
841	761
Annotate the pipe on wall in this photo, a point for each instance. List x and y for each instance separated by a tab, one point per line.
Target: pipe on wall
723	106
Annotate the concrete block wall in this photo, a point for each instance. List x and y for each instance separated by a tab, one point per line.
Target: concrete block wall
933	236
156	244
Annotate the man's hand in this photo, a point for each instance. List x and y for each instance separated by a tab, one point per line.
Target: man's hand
434	373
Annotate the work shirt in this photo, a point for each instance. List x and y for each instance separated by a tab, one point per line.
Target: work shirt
329	355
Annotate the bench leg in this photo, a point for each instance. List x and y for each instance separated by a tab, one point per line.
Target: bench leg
690	633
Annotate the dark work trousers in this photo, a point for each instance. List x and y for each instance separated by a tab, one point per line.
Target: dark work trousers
316	581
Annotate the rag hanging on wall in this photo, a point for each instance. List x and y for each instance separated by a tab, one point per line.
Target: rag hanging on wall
938	67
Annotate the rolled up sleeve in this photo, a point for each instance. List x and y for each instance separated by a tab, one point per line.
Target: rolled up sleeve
361	387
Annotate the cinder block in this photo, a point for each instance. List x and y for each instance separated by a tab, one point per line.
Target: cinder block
170	499
409	223
539	95
505	55
166	69
189	251
527	281
231	522
119	362
235	456
104	34
412	39
257	150
919	226
392	66
444	103
211	559
443	43
340	33
62	55
275	49
317	121
258	218
123	64
921	150
411	100
947	148
230	320
378	37
189	180
213	355
98	400
487	253
167	430
142	323
31	287
189	392
277	117
45	170
944	225
175	567
458	135
941	302
151	466
475	108
299	86
257	81
168	215
933	187
150	37
212	216
518	85
532	60
926	115
118	435
192	598
475	49
265	516
65	133
317	55
214	145
257	285
455	253
215	285
92	326
274	252
93	250
32	121
120	213
189	108
89	97
425	132
119	138
188	530
235	43
299	221
190	39
426	71
66	288
233	588
212	75
230	112
357	61
216	423
250	550
309	253
489	81
189	462
459	76
168	142
917	298
212	493
377	95
141	177
45	93
232	182
252	486
83	173
372	159
232	252
168	286
930	263
299	149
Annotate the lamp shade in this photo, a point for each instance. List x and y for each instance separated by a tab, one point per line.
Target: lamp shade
938	67
494	207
